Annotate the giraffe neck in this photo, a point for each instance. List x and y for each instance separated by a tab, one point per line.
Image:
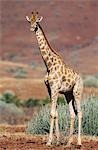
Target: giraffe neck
48	54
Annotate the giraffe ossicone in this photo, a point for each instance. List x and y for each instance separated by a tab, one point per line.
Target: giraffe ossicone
59	79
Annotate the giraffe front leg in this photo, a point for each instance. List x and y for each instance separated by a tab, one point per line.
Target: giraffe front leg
57	129
72	120
54	97
79	122
77	91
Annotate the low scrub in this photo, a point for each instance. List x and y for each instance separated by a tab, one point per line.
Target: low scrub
90	116
40	124
10	113
35	102
10	97
91	81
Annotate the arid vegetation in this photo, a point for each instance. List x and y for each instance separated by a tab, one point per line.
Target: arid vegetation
16	137
40	123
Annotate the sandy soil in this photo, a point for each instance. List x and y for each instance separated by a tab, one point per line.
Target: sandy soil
15	138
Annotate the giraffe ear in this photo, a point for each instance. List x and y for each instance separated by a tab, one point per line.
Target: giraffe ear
39	19
27	18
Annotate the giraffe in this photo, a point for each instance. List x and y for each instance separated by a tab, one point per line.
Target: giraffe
59	78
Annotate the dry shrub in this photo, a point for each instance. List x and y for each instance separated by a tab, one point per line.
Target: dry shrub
40	124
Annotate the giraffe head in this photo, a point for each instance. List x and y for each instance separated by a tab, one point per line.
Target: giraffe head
34	20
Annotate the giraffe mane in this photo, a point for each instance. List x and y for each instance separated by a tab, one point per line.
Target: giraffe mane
48	42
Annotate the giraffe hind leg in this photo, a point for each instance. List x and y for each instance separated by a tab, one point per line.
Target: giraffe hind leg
70	100
77	92
48	88
57	129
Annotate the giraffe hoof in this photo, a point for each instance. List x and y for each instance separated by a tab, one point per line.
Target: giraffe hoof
78	146
49	143
58	143
68	145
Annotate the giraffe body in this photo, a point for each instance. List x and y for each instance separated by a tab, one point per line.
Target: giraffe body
59	79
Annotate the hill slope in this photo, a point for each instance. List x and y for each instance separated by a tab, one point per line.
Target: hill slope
70	26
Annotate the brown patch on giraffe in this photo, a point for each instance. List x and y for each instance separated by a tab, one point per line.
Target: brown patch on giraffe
59	61
49	54
40	40
54	63
78	93
49	64
67	84
46	59
51	69
59	73
63	78
55	59
56	67
68	80
70	86
42	47
38	37
68	70
61	69
51	59
42	43
72	83
65	72
51	83
56	76
43	52
69	75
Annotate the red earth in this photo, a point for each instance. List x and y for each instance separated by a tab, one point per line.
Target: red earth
15	138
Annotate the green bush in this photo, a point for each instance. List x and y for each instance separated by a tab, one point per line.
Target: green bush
35	102
91	81
90	116
10	97
40	124
31	102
